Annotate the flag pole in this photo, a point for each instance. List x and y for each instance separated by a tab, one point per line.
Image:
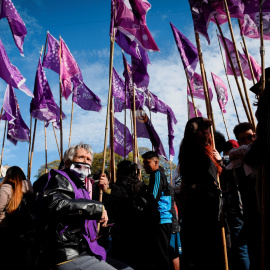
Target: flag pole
239	65
32	150
125	131
60	97
191	94
149	110
228	79
212	133
112	161
246	53
29	152
263	167
56	141
46	162
233	69
224	120
45	129
71	123
134	126
3	144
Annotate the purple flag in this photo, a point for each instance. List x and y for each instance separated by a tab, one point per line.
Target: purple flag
68	69
130	19
83	96
145	129
17	129
51	59
139	68
17	26
43	106
170	136
10	74
118	91
188	52
191	111
253	6
250	25
197	87
243	60
201	13
154	104
221	90
119	139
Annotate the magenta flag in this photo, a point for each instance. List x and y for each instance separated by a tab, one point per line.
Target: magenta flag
188	52
201	14
130	19
197	87
10	74
250	25
43	106
145	129
191	111
252	7
243	60
221	90
119	139
257	71
68	69
17	129
170	136
51	59
17	26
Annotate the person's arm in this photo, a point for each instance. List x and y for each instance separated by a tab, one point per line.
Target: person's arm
5	196
59	201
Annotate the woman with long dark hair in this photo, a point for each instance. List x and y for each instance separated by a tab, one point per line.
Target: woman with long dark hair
200	198
13	191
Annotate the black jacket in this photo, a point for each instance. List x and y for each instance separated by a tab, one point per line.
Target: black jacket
61	218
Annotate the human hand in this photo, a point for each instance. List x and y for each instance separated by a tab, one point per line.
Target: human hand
216	155
104	218
103	182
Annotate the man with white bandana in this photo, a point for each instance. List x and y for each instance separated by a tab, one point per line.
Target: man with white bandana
68	215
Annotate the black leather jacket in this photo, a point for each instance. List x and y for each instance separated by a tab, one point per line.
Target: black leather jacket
61	218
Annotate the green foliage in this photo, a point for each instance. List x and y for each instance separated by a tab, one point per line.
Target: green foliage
52	165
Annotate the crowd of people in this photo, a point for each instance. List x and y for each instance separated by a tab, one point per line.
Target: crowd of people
213	220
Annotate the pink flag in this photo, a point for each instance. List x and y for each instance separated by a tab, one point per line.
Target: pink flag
250	25
257	71
221	90
17	26
243	60
68	69
130	19
191	111
197	87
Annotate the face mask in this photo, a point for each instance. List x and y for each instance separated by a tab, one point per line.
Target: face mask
81	170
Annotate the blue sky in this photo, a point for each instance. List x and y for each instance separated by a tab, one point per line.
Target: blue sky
84	26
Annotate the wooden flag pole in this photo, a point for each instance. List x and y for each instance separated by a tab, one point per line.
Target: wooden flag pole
108	107
29	152
203	77
125	131
112	161
228	80
46	162
56	142
134	126
246	53
60	97
234	73
191	94
212	133
263	167
3	145
239	65
71	123
224	120
32	150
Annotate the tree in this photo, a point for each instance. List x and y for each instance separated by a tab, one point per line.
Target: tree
52	165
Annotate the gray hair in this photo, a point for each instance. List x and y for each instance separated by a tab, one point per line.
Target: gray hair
70	152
